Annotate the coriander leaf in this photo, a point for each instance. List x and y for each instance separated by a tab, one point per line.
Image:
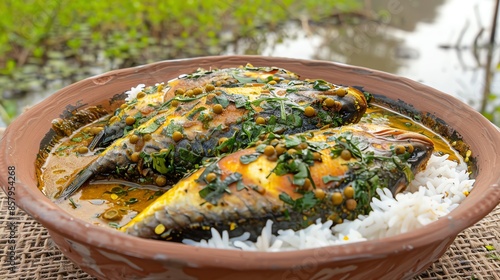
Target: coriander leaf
152	127
294	120
171	128
246	159
304	203
286	198
222	100
329	178
194	112
189	156
240	186
160	162
215	189
244	79
321	85
240	100
292	141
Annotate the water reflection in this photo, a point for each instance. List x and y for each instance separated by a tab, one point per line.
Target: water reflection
439	43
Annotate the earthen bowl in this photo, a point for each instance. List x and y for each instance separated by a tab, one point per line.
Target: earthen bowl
109	254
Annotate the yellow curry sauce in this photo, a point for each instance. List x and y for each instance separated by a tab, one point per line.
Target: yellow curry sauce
114	203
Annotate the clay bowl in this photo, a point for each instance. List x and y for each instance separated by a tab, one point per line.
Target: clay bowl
108	254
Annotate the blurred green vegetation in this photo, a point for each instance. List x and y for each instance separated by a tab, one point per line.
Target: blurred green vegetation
59	39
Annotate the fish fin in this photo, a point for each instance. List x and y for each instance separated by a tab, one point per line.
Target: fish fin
80	179
97	141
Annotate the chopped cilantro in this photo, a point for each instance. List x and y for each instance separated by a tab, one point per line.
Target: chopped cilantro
191	115
214	190
240	101
329	178
160	161
222	100
321	85
246	159
152	127
304	203
171	128
292	141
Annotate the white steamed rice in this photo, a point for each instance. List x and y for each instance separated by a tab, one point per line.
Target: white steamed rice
433	193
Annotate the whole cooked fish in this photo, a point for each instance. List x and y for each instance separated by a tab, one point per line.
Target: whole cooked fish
188	129
145	102
293	180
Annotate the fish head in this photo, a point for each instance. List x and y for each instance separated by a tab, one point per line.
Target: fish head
416	148
353	106
419	146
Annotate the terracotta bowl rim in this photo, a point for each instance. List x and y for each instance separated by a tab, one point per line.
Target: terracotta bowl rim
30	199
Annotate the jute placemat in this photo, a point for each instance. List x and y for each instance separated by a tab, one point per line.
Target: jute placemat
475	254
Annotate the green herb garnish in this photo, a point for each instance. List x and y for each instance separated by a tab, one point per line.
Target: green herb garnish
152	127
246	159
304	203
72	202
217	188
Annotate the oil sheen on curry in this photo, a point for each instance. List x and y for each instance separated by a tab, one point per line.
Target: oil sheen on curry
231	148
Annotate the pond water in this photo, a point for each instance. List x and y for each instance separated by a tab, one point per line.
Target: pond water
427	41
440	43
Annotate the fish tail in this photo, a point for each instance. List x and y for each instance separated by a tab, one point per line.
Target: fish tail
82	177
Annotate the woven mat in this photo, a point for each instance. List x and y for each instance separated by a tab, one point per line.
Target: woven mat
39	258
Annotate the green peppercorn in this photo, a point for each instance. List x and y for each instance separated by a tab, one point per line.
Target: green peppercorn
260	120
346	154
337	198
210	177
135	157
218	109
317	156
351	204
319	193
161	181
177	136
179	91
175	103
341	92
83	150
349	192
129	120
399	149
209	87
410	148
309	111
307	184
329	102
269	150
134	139
280	149
96	130
197	91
